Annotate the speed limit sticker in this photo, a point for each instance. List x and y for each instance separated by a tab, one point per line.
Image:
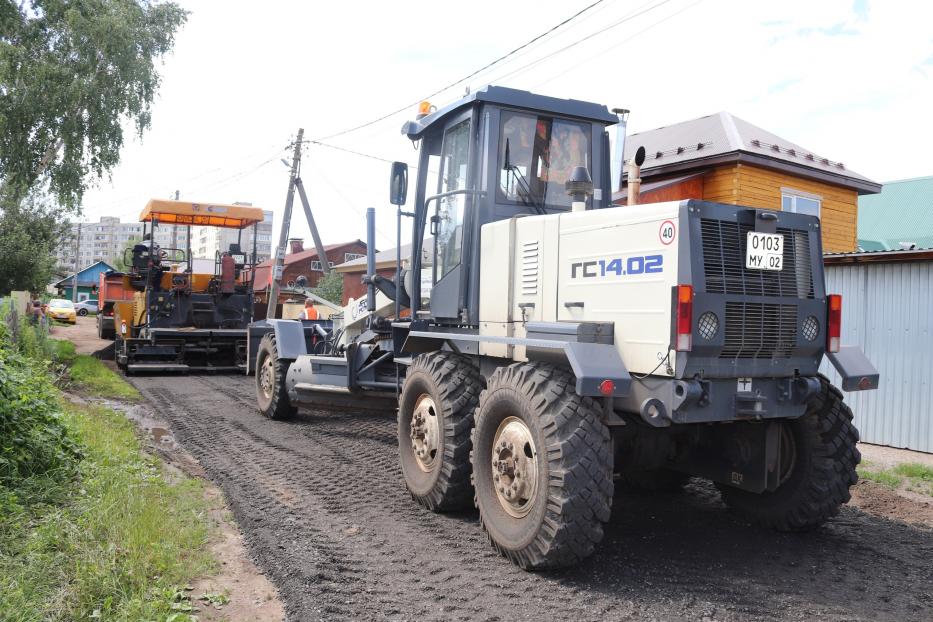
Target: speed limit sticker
667	232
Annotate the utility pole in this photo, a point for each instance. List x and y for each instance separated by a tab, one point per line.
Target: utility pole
74	283
175	229
279	262
321	253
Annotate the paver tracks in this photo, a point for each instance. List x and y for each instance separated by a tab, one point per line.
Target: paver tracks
323	507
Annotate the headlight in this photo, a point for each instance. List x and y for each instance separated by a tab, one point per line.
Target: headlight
811	328
708	325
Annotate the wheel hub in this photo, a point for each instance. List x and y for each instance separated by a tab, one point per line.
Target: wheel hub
515	467
425	433
267	377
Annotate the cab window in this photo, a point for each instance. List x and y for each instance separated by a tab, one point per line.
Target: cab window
537	154
455	155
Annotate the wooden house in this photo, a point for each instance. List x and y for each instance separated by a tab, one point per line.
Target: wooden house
725	159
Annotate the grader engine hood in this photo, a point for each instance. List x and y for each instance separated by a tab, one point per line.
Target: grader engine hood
622	266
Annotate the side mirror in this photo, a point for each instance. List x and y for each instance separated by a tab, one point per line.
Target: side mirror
398	184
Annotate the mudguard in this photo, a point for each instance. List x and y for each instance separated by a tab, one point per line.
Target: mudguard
857	372
289	338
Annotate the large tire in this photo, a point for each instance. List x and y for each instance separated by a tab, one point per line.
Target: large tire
653	480
823	469
271	394
102	332
543	503
440	394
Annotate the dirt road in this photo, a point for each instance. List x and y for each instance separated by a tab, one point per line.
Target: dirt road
325	513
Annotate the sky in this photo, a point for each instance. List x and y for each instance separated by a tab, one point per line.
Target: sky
850	80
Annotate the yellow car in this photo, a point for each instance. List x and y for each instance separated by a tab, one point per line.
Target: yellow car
62	310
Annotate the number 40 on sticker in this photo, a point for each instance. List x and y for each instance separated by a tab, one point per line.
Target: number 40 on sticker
667	232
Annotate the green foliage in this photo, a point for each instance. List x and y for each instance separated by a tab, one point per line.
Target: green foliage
121	265
101	381
62	351
71	73
114	546
33	438
915	470
29	233
330	287
910	475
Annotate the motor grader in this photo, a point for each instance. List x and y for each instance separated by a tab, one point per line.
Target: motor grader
555	346
178	319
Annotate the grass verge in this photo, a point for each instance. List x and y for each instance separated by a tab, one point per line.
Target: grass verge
96	378
909	475
112	544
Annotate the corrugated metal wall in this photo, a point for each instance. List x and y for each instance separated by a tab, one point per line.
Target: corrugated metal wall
887	309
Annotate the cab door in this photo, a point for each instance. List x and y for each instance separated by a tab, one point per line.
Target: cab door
450	217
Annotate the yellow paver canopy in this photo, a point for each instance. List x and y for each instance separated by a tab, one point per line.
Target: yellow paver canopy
205	214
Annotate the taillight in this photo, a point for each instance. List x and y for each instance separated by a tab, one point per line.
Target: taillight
833	322
684	318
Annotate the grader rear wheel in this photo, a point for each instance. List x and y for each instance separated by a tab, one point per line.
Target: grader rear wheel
542	467
818	457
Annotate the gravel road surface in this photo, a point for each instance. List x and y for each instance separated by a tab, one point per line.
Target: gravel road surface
322	504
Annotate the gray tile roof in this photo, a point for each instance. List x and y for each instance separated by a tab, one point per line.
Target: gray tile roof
721	134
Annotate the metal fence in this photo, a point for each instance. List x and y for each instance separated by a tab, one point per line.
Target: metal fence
887	309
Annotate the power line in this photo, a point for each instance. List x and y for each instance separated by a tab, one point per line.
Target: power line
359	153
623	41
465	78
627	18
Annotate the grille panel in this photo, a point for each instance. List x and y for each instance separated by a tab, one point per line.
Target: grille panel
724	262
759	331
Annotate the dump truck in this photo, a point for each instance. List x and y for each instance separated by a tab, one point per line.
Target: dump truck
178	319
558	346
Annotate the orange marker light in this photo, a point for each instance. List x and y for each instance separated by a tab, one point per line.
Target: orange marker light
834	322
684	318
424	108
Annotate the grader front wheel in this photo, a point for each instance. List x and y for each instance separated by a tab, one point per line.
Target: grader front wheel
542	467
271	392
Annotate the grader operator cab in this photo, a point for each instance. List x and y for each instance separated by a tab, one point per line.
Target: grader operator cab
557	344
180	319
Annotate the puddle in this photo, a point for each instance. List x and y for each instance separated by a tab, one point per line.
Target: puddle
160	433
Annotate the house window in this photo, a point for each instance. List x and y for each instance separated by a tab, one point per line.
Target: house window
800	202
352	256
316	265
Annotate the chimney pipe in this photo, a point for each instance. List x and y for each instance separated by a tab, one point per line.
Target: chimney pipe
618	155
634	176
296	245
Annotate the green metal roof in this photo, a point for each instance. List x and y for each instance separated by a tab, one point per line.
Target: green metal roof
902	213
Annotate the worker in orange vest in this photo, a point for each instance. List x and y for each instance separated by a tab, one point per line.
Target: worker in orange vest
310	313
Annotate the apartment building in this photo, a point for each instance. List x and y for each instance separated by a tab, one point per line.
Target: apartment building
206	242
105	240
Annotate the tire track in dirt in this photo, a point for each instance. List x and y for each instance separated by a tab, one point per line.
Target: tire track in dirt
325	512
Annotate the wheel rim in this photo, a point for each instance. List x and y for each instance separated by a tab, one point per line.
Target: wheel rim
425	433
515	467
267	377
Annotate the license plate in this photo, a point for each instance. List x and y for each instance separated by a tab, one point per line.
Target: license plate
765	251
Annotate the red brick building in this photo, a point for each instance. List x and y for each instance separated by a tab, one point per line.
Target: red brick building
353	271
302	262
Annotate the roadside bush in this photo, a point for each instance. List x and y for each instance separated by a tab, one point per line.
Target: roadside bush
33	438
